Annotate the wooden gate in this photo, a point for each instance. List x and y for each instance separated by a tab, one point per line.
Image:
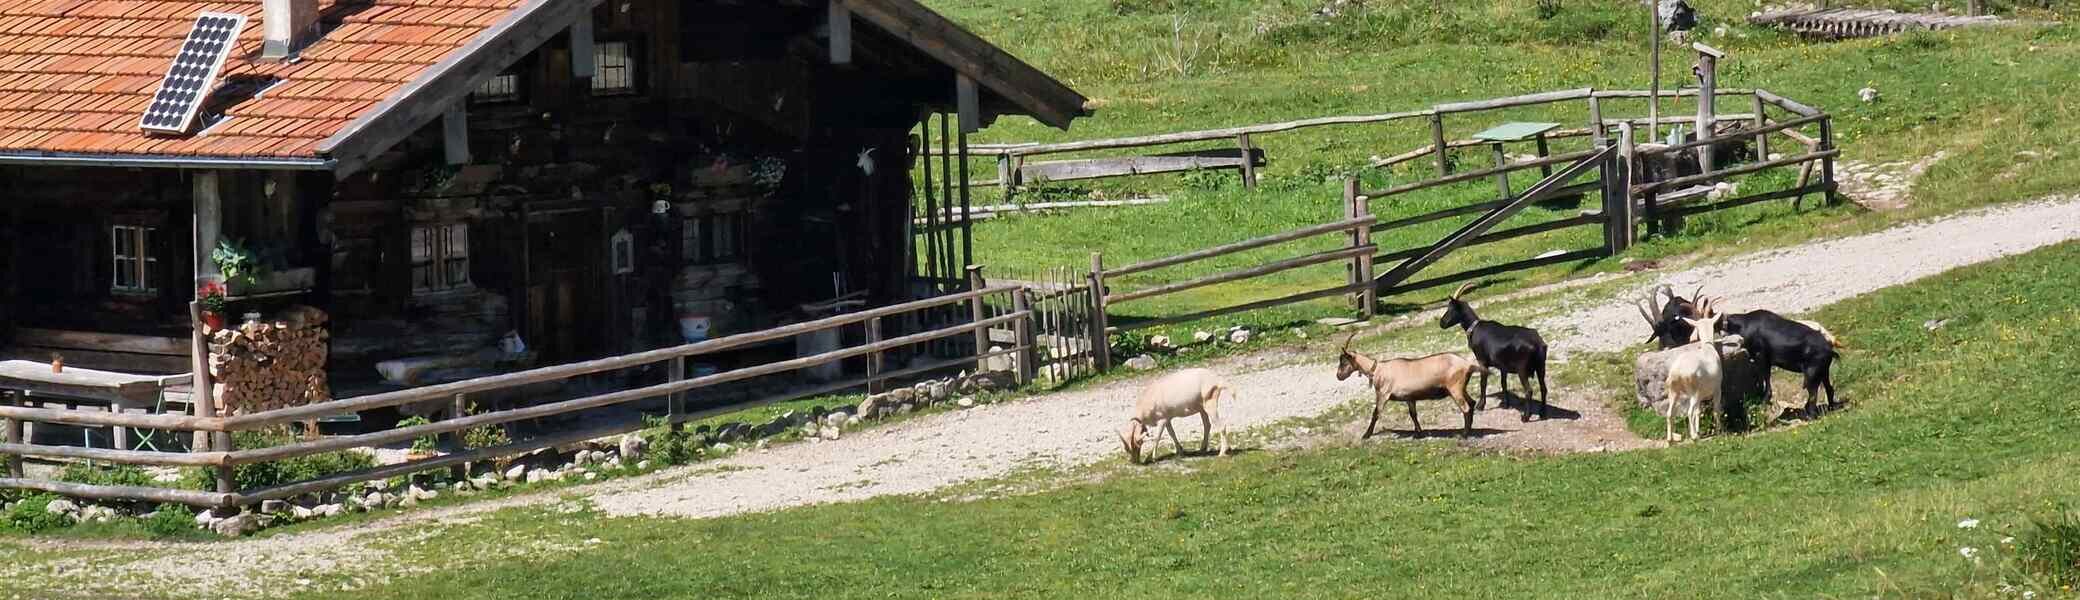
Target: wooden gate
1407	263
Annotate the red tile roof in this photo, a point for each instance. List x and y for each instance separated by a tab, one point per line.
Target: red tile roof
75	75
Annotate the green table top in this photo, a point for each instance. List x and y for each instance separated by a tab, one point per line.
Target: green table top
1515	132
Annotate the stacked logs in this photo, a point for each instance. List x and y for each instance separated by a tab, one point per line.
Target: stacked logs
270	364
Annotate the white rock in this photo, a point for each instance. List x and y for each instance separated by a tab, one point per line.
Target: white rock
205	519
761	445
301	513
1161	342
723	448
830	433
942	390
374	500
330	510
236	526
1201	336
855	422
408	502
1142	363
1296	332
633	447
966	402
537	475
380	485
61	506
643	466
516	472
591	476
836	418
1239	336
273	507
1867	94
871	407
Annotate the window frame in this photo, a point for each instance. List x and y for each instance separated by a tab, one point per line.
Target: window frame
143	263
631	82
713	238
442	250
477	94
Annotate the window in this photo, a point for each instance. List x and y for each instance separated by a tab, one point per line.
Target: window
503	87
714	238
613	71
136	261
440	257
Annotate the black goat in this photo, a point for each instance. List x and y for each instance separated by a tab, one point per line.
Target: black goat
1667	319
1773	340
1513	350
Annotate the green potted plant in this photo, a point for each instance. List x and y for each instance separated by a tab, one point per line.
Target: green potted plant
235	262
213	298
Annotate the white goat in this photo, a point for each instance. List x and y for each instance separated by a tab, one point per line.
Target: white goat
1694	372
1441	375
1181	394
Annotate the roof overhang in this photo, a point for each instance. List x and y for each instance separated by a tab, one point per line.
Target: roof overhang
176	162
1030	89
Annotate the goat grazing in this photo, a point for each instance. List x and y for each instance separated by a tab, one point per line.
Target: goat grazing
1668	319
1782	343
1695	373
1432	377
1181	394
1510	349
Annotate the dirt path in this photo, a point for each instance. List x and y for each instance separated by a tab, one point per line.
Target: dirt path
1075	428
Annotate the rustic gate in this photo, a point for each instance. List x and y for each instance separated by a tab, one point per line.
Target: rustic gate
1408	262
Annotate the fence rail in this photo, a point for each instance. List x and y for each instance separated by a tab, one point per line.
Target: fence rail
673	391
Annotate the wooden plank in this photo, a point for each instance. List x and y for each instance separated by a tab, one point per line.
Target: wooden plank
455	134
1676	93
1241	274
37	378
1505	234
1278	238
1479	226
105	342
1473	208
1502	268
1483	173
1740	170
1165	139
88	418
1512	101
1738	135
121	457
1745	200
13	430
1260	304
117	492
1787	104
968	104
608	399
1099	168
839	18
565	371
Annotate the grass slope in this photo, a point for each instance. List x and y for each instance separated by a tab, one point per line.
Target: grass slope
1947	424
1169	65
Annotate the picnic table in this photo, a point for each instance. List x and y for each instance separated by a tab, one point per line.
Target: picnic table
73	386
1517	132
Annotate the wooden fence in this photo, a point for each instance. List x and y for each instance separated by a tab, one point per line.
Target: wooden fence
222	457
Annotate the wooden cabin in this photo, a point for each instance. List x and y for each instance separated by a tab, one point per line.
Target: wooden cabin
594	178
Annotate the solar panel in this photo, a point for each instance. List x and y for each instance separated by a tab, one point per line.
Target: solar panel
193	74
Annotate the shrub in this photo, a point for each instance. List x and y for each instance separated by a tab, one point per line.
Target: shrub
268	474
29	515
2052	549
424	443
667	446
91	474
171	520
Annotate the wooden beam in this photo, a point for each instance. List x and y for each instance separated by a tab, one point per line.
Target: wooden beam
1481	225
455	134
840	25
1047	99
583	52
451	80
1203	254
209	222
968	102
116	492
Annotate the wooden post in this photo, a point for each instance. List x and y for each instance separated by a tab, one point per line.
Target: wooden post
979	313
582	57
1617	210
201	398
840	18
1444	165
1827	164
675	404
1361	236
873	334
1029	350
1976	8
1544	151
459	410
227	481
1622	218
1501	177
1761	141
14	435
1707	101
1596	129
1101	347
1004	175
1249	166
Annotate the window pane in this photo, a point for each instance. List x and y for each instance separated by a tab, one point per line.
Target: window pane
725	236
458	272
125	242
690	240
458	241
422	248
151	242
126	274
611	68
422	278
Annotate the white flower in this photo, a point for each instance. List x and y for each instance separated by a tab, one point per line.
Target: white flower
2008	541
2027	594
1968	524
1967	551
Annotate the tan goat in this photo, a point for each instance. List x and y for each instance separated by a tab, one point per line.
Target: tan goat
1181	394
1410	379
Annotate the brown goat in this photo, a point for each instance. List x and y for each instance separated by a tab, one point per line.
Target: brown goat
1433	377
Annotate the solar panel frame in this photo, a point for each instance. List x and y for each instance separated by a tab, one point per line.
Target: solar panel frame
193	74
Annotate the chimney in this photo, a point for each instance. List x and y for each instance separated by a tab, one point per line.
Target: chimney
290	25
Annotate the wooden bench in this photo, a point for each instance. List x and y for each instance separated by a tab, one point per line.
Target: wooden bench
1172	162
96	350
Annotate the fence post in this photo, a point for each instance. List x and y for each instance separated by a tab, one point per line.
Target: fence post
979	313
201	399
1827	164
675	402
14	436
1444	166
1707	101
874	383
1029	351
1596	117
461	471
227	482
1361	235
1761	141
1249	165
1101	347
1622	218
1501	176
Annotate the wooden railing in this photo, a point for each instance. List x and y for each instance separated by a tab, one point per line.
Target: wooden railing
223	458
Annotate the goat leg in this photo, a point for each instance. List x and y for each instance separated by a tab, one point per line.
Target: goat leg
1543	396
1378	400
1484	387
1412	418
1172	428
1694	401
1205	432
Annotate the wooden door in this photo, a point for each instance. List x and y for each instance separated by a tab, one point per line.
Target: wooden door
565	302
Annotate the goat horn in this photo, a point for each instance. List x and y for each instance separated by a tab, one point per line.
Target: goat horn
1347	341
1643	312
1697	293
1462	290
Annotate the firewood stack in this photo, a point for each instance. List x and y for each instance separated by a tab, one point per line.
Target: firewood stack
270	364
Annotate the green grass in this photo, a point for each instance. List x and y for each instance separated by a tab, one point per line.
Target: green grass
1981	95
1946	425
